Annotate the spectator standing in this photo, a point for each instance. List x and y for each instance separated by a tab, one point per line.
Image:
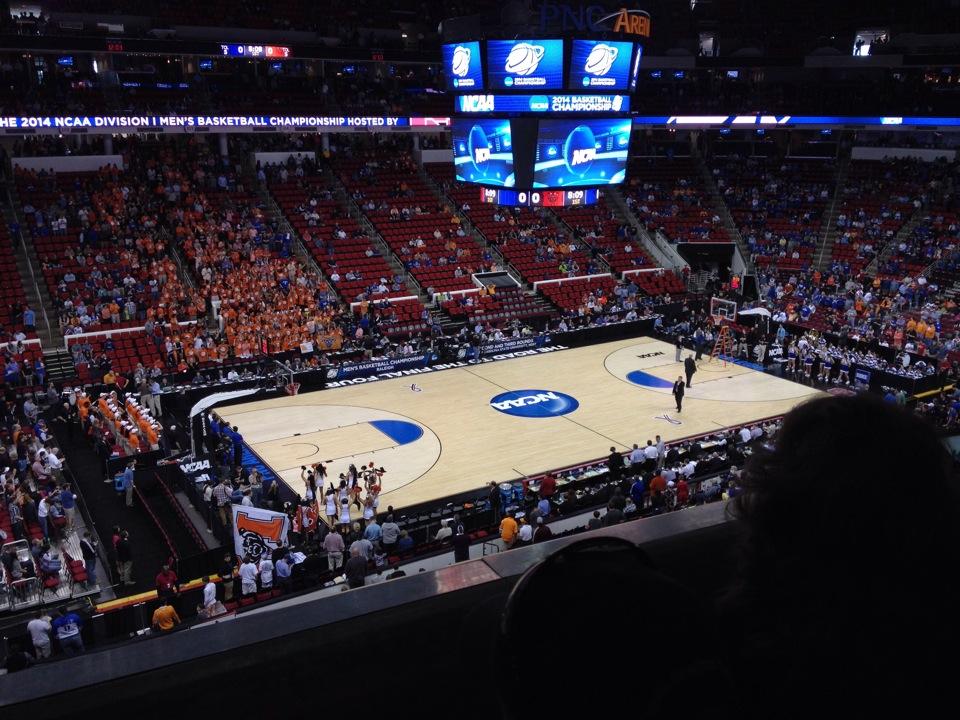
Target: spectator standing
209	593
615	464
461	546
248	577
227	572
40	630
266	572
355	569
543	532
168	584
495	502
508	530
69	503
614	516
283	570
221	495
125	559
333	545
165	618
389	535
525	533
88	548
67	627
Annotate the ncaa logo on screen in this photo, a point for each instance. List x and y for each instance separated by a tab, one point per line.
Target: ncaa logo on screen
478	146
580	149
534	403
524	59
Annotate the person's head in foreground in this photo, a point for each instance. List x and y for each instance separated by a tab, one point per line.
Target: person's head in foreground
845	595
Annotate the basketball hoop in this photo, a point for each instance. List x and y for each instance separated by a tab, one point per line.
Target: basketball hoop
723	312
292	388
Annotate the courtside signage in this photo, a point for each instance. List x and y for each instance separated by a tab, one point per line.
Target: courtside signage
534	403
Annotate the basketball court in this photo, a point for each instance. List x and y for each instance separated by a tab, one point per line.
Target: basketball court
463	427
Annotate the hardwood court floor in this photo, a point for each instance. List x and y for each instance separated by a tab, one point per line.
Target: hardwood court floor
447	438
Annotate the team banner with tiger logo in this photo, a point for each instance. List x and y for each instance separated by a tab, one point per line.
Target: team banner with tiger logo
257	531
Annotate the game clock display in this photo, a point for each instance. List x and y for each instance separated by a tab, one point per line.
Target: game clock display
539	198
574	153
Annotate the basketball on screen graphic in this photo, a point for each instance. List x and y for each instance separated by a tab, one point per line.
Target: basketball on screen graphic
524	58
461	61
601	59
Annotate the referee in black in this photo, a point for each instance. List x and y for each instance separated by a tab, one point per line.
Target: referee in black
678	393
689	367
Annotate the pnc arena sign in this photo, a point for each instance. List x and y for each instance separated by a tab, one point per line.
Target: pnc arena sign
593	18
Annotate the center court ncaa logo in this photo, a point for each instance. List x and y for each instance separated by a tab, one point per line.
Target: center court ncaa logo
534	403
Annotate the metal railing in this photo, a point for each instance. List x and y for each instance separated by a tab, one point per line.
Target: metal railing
26	253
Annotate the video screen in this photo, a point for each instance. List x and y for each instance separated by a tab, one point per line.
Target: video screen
483	152
463	66
573	153
602	65
525	64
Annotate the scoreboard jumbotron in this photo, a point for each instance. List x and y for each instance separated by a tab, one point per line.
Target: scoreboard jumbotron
541	121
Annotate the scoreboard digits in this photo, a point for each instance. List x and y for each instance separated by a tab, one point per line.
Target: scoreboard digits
539	198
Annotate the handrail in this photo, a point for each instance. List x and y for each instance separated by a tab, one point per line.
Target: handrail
23	244
70	339
168	494
538	283
87	517
156	521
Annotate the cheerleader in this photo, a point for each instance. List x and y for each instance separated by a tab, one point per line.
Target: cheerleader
844	375
345	515
355	496
331	507
826	367
369	476
368	510
309	484
808	365
791	358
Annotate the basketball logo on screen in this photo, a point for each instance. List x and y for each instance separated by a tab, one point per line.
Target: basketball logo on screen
601	59
479	147
534	403
461	61
580	149
524	59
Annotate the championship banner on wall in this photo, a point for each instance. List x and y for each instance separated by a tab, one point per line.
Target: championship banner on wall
511	345
257	531
374	367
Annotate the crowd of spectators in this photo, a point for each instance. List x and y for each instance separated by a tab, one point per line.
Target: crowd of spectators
778	206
